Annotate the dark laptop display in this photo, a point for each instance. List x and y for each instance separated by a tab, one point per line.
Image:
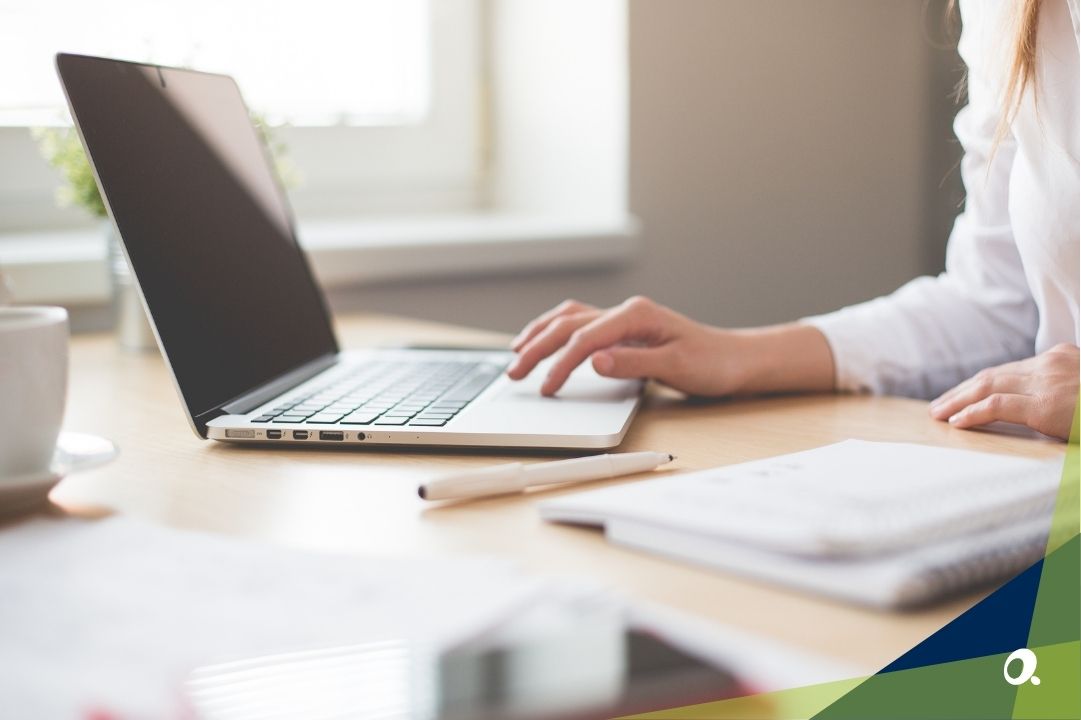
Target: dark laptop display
205	225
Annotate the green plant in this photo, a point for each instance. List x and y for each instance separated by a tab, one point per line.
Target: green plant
288	174
62	149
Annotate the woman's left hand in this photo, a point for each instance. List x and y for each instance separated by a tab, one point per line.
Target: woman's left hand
1040	392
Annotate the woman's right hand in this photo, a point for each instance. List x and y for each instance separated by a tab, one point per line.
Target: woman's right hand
637	339
641	339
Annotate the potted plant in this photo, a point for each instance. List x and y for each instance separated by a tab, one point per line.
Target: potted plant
62	149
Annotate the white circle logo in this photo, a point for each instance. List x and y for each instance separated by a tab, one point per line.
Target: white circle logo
1028	668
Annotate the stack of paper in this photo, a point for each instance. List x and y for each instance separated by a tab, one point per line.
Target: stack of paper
886	524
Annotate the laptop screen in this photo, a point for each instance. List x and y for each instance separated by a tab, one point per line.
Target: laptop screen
204	222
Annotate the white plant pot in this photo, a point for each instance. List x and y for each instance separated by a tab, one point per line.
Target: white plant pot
132	326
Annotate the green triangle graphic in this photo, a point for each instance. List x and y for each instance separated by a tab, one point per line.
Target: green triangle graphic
795	704
1056	619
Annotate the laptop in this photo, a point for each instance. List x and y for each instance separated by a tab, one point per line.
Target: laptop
238	316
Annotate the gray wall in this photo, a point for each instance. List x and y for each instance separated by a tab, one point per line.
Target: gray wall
786	158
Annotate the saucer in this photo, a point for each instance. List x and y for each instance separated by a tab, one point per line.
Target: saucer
74	452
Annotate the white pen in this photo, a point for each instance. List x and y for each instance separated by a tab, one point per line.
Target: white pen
516	477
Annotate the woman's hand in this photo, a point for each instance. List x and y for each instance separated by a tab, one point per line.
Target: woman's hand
641	339
637	339
1039	392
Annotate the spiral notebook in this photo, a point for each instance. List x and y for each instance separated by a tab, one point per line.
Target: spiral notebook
883	524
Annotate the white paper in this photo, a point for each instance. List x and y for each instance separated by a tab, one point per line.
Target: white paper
113	616
849	498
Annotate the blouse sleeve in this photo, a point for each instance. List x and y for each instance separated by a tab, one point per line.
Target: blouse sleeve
934	332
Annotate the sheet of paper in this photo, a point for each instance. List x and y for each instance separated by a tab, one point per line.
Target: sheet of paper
853	497
110	618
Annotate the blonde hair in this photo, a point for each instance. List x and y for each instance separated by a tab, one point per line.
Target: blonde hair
1022	73
1024	23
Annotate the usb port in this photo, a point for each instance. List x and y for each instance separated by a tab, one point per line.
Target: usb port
331	435
273	434
300	434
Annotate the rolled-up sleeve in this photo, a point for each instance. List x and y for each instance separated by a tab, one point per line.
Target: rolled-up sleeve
934	332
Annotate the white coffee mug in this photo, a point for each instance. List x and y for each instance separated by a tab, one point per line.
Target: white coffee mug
33	387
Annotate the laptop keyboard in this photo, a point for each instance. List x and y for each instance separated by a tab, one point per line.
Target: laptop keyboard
419	394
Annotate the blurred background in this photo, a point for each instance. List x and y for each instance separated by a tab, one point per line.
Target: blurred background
477	161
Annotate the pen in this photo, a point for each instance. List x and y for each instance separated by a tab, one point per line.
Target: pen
516	477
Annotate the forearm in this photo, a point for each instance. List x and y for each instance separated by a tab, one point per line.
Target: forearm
784	358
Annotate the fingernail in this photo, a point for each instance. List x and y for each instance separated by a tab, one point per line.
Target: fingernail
603	363
955	418
546	386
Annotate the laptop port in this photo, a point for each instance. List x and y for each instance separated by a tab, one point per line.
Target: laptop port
273	434
331	435
300	434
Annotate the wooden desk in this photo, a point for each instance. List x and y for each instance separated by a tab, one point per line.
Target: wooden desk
364	501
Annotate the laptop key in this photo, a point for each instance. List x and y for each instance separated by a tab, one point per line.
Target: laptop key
326	418
470	387
429	422
392	421
406	407
359	418
290	418
264	418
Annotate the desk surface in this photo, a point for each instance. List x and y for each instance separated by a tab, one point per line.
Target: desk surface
365	501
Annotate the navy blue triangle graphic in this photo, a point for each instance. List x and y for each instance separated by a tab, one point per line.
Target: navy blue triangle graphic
997	624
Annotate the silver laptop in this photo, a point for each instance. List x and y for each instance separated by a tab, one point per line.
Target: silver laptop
237	314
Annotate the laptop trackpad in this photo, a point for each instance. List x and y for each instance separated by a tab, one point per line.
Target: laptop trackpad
587	406
584	385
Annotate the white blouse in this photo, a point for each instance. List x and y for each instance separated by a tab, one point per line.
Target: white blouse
1010	289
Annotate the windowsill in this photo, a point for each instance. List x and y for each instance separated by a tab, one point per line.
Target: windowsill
69	267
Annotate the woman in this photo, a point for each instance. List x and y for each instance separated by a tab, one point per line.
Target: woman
995	336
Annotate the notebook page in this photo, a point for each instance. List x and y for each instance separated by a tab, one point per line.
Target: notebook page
854	497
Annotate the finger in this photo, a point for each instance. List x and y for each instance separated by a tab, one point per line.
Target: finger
1002	407
977	388
629	322
1014	368
553	337
567	307
631	362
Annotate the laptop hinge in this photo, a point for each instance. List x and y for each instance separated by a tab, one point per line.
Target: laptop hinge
249	401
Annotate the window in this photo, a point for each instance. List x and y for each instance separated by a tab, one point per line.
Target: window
316	62
432	137
379	96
